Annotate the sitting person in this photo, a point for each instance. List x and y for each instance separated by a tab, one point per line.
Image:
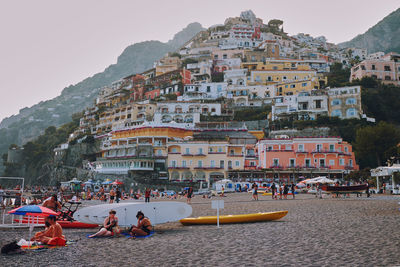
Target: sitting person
53	235
109	223
52	203
143	227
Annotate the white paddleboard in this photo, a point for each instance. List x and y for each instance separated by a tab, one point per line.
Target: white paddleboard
157	212
83	214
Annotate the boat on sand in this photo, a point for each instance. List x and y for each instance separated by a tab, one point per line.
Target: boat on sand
239	218
345	189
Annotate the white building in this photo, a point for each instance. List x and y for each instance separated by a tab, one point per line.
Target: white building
203	91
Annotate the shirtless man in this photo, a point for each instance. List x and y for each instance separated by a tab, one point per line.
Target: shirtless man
52	203
54	230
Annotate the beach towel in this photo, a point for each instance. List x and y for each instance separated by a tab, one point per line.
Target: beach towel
146	236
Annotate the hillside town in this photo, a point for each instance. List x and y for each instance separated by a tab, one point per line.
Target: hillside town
176	121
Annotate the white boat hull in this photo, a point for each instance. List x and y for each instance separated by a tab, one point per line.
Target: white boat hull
157	212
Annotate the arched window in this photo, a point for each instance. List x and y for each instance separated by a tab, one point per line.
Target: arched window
336	102
351	101
351	112
336	113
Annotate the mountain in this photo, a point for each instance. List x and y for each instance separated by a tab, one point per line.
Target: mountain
384	36
136	58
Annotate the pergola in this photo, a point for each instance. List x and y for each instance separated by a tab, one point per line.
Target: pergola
386	171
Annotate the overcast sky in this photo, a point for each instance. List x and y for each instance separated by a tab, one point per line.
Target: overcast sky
47	45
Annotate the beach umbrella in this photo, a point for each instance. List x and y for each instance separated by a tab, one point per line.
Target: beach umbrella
32	210
117	182
324	180
106	182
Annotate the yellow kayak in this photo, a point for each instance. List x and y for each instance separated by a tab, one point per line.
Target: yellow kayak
240	218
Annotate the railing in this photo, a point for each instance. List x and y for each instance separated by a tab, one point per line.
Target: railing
199	155
276	167
325	151
174	153
187	155
178	168
213	152
280	150
208	168
235	155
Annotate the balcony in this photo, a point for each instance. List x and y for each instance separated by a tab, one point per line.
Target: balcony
235	155
216	152
327	151
187	155
301	151
178	168
209	168
200	155
280	150
251	156
174	153
276	167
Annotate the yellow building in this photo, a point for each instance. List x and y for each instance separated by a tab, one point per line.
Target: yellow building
295	87
168	64
204	160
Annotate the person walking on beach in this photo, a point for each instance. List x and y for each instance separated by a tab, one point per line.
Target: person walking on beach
319	186
273	190
118	195
293	189
112	195
280	191
189	195
255	193
367	191
147	194
285	191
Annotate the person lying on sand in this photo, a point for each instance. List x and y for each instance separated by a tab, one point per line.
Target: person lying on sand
110	226
53	231
143	227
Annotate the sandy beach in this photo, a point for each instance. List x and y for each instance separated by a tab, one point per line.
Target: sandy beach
327	232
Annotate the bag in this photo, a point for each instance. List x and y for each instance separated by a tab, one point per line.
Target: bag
116	230
11	248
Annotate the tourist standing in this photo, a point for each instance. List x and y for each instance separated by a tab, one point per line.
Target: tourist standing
293	189
147	195
319	186
367	191
273	190
255	191
112	195
189	195
285	191
280	191
118	195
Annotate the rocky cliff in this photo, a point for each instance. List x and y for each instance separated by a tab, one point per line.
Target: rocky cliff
384	36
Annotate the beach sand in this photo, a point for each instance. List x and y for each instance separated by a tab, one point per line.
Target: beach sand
327	232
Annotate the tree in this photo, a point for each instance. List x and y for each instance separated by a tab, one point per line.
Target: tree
375	144
338	76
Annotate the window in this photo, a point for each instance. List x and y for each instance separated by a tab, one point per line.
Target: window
183	163
301	147
341	162
292	162
200	163
173	163
336	102
269	78
319	147
293	86
252	163
304	84
269	148
387	78
276	162
373	67
387	68
288	147
308	162
220	149
351	162
159	152
336	113
208	89
200	151
351	101
351	112
331	147
224	56
322	162
346	149
219	88
221	164
174	150
187	151
230	164
331	162
237	163
212	163
318	103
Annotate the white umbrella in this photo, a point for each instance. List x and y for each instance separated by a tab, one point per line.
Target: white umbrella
324	180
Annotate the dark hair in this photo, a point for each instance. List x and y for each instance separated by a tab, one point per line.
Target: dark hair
52	217
139	213
112	212
55	196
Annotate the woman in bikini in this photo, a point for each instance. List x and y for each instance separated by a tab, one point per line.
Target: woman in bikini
143	227
109	223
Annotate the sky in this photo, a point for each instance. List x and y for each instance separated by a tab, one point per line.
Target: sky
47	45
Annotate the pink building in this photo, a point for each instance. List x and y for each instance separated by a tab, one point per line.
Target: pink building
306	156
386	69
